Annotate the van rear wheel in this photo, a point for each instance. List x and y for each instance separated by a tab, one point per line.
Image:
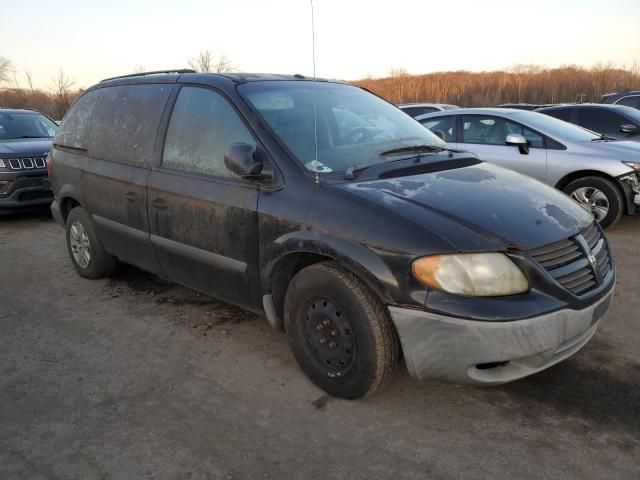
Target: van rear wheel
600	196
340	333
88	256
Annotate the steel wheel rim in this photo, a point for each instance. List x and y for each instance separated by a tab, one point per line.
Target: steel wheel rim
595	200
329	337
79	243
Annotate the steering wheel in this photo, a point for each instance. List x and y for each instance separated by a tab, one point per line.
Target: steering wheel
357	135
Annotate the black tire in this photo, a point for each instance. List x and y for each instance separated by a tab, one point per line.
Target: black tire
613	194
326	290
101	263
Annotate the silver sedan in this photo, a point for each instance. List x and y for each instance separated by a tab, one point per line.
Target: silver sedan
599	172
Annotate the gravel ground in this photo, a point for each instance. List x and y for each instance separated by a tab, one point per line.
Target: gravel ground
131	377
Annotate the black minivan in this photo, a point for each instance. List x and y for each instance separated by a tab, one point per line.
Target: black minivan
338	217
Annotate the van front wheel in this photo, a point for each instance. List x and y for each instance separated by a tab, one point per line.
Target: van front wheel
340	333
88	256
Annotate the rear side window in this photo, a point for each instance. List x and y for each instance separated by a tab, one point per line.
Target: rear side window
118	124
74	131
564	114
202	127
125	122
600	120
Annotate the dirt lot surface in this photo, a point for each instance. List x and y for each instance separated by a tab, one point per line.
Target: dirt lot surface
133	378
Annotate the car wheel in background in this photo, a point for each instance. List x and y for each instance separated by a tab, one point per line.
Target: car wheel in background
599	196
339	331
88	256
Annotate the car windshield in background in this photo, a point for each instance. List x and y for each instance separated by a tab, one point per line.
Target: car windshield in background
553	127
26	125
353	127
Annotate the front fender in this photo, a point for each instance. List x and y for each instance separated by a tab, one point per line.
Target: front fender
362	261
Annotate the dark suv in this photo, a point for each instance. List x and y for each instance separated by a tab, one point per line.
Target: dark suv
617	122
25	140
630	98
358	240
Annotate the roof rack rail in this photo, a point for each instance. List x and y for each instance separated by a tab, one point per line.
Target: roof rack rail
173	70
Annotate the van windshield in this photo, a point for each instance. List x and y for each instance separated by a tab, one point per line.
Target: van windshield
353	127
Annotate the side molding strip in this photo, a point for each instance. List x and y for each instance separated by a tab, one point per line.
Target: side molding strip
210	258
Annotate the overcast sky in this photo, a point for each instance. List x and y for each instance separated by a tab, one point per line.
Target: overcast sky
92	40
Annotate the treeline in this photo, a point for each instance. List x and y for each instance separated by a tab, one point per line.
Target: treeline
529	84
53	104
522	83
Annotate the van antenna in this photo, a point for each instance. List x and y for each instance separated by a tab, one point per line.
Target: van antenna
315	112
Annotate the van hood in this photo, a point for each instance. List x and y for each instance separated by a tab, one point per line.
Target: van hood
24	146
478	208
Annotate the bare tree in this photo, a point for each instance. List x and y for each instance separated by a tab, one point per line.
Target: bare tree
28	74
61	89
6	68
139	69
206	62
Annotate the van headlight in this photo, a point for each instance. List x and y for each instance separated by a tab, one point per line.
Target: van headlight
471	274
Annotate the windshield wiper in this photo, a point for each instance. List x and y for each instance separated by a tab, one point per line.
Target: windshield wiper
603	137
32	136
413	148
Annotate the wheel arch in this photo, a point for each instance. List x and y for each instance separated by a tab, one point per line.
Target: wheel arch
298	252
622	188
68	198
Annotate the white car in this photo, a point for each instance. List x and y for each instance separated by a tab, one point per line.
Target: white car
595	170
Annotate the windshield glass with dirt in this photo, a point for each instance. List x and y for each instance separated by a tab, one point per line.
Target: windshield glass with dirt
352	127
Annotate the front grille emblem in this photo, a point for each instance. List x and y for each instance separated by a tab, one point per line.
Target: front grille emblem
593	263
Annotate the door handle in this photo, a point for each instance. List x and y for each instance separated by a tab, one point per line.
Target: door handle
159	204
131	197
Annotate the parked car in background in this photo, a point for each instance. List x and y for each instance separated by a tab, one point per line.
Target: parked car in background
358	239
629	98
25	140
415	109
616	121
602	175
520	106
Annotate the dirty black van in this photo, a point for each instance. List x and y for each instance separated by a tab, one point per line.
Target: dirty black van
336	216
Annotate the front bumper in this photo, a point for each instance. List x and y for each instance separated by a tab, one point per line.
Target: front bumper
24	192
491	353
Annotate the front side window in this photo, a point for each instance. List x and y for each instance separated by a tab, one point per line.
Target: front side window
487	130
441	126
600	120
329	127
26	125
202	127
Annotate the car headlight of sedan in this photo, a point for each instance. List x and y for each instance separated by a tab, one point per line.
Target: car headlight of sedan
471	274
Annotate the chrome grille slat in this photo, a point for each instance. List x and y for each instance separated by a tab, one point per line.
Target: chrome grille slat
575	275
567	262
27	163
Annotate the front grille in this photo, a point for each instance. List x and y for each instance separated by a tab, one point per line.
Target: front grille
26	163
569	263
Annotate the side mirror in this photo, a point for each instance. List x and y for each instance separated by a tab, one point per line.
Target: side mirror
628	128
519	141
241	159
